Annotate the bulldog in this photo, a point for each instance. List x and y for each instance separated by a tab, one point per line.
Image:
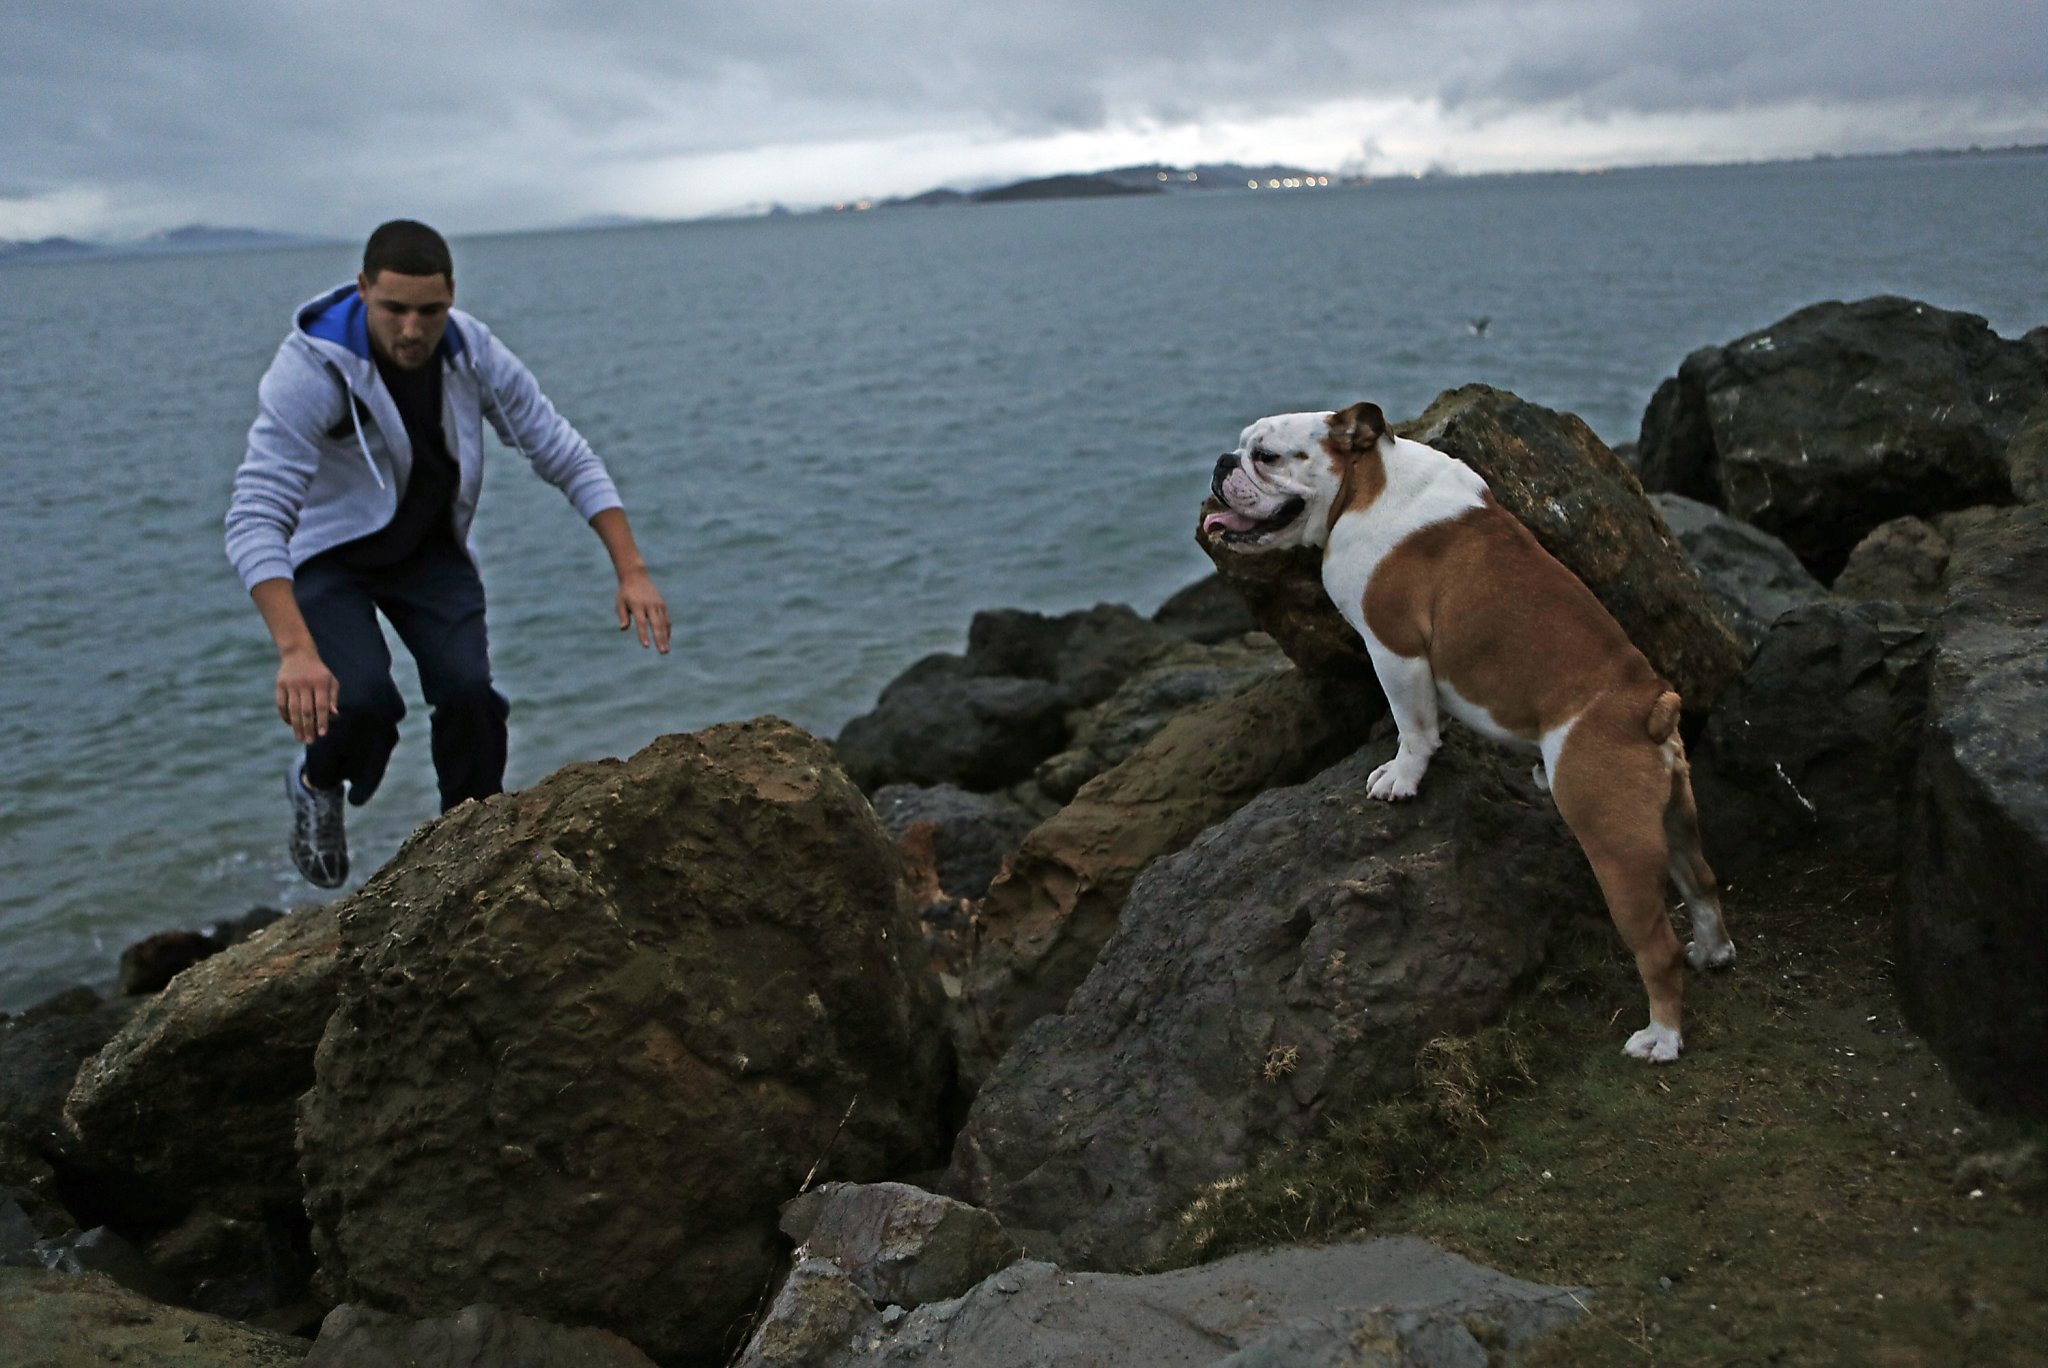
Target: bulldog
1464	613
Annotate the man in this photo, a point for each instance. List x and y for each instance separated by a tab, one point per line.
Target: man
356	497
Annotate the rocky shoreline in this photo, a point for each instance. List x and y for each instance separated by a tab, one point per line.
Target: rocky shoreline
923	1043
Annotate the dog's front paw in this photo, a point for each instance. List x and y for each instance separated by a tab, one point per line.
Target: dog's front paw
1704	957
1657	1044
1394	781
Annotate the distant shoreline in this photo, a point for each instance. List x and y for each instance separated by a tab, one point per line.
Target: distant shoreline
1116	182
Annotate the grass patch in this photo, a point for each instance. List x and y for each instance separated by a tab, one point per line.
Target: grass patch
1803	1187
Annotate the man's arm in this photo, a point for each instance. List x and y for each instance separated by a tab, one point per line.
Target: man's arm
639	603
307	691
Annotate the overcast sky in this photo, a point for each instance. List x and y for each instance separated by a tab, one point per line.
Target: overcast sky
318	116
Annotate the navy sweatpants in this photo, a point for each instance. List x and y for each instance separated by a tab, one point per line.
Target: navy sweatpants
434	600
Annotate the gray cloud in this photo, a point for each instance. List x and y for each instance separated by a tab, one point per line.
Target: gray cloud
309	115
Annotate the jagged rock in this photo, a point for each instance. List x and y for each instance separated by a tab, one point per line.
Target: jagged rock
28	1180
986	719
1752	577
152	962
1037	933
2026	459
195	1099
1208	611
1174	682
41	1053
1972	945
1843	416
474	1337
970	832
1393	1303
1582	504
594	1033
900	1245
236	1266
818	1317
1816	742
1901	561
61	1320
1294	959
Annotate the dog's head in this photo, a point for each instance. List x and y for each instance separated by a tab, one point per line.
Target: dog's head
1292	474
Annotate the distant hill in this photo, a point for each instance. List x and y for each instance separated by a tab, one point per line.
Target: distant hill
1061	187
196	237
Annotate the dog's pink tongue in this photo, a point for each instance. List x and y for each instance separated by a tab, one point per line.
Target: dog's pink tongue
1230	520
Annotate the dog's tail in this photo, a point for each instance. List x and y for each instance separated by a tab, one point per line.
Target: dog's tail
1663	716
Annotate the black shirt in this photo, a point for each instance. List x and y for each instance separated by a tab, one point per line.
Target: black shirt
426	505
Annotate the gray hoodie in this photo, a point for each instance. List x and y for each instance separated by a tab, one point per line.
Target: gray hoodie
328	453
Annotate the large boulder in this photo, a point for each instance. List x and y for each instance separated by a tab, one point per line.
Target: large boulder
1582	504
985	719
1815	744
42	1051
1292	961
1391	1303
196	1099
1972	943
593	1034
1752	577
1056	903
1843	416
900	1245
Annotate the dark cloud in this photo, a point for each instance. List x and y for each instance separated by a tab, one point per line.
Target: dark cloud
300	115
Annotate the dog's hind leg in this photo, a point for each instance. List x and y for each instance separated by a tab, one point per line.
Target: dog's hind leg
1711	948
1611	792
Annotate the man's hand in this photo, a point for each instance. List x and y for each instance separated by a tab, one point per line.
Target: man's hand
307	694
639	605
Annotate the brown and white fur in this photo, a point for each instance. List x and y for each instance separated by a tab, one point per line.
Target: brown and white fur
1463	612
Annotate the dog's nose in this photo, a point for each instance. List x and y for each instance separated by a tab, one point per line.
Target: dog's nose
1225	463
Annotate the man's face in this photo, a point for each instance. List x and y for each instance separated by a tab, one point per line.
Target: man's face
407	315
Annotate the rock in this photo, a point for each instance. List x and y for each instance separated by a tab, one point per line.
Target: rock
1816	742
101	1251
1972	945
41	1053
58	1320
971	833
941	723
149	964
1392	1303
593	1034
986	719
818	1317
1177	680
1751	576
1901	561
1208	611
1291	962
1047	916
1582	504
30	1183
1843	416
195	1100
237	1266
17	1229
900	1245
474	1337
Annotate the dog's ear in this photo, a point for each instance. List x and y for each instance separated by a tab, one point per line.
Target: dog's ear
1358	428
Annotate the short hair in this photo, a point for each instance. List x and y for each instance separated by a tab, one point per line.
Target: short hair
409	248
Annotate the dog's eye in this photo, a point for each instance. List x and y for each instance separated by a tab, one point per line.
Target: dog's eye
1264	457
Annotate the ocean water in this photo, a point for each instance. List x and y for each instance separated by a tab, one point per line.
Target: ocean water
837	436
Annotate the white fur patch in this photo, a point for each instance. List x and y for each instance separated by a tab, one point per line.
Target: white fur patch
1657	1044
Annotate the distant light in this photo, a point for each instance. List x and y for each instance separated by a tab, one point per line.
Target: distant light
1322	180
1273	184
1194	175
1251	185
1162	175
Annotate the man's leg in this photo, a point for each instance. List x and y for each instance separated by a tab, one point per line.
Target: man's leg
437	606
341	614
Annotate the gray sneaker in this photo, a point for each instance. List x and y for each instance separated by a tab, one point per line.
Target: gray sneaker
319	843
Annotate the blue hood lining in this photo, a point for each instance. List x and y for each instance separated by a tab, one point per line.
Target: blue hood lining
341	318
